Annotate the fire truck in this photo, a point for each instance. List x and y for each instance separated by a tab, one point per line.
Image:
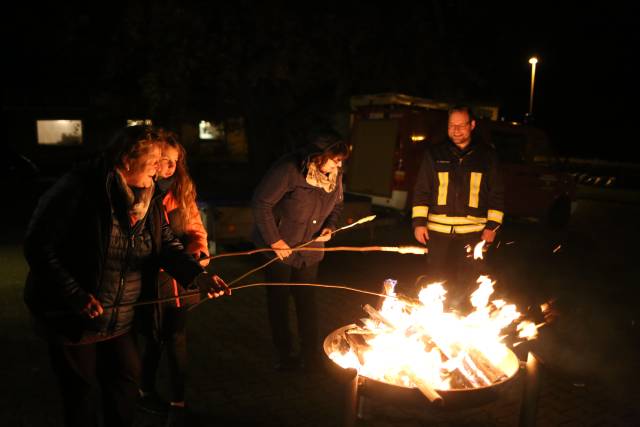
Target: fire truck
389	132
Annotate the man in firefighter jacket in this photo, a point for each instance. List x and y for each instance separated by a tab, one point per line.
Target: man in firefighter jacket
458	201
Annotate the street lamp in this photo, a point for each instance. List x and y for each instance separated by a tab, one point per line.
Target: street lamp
533	61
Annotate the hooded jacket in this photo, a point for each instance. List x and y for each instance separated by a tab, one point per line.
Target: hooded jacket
285	206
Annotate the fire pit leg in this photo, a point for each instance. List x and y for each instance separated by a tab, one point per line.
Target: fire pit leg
529	404
362	402
350	409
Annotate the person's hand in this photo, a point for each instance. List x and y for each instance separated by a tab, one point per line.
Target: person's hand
488	235
282	249
325	236
421	234
93	308
212	285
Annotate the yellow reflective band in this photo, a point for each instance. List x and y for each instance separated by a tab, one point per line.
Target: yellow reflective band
474	188
419	211
463	229
439	227
443	177
458	229
457	220
496	216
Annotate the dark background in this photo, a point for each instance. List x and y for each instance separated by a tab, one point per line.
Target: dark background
287	65
284	69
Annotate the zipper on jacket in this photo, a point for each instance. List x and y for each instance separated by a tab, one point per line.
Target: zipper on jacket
116	304
118	298
139	226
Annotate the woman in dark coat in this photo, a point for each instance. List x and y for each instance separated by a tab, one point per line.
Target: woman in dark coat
299	199
94	246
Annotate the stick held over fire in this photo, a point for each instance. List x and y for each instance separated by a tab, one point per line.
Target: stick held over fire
403	250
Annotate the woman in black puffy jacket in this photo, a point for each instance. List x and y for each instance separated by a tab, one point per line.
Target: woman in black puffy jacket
94	246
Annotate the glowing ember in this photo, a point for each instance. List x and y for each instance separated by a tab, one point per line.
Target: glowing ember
409	344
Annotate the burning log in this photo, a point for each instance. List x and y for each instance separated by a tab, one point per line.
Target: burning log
426	390
474	369
472	373
360	329
493	373
466	374
479	370
358	345
459	381
361	324
409	301
375	315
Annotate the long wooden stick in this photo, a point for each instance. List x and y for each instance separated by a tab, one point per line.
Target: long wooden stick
299	247
250	285
315	285
414	250
360	221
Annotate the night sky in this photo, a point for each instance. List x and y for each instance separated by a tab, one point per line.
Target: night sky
287	64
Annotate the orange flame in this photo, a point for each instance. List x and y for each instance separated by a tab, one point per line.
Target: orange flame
426	342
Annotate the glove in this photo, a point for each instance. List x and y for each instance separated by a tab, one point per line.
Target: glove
211	285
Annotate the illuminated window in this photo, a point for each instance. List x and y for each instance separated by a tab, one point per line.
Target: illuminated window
139	122
211	130
59	132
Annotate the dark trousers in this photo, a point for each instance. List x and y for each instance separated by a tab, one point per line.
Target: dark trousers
98	380
449	261
305	307
173	340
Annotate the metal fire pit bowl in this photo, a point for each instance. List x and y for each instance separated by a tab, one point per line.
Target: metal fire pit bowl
452	399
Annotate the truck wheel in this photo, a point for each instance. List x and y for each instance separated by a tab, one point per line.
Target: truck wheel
560	213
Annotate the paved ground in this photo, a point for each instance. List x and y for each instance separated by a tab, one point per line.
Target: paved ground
590	352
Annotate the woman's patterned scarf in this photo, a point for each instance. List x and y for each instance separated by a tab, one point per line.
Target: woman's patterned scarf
318	179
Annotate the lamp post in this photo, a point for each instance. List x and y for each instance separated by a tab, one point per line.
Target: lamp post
533	61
